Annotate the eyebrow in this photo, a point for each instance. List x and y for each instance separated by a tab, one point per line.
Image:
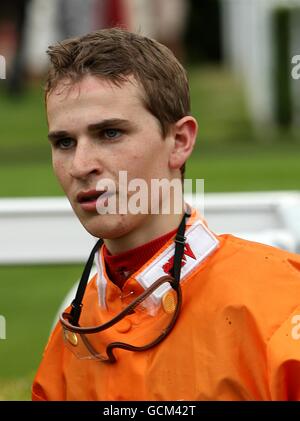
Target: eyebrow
52	136
109	123
95	127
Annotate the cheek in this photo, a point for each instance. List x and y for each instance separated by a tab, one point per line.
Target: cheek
153	156
60	171
141	166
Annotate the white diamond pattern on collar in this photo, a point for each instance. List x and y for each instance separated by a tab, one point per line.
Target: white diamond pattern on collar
200	243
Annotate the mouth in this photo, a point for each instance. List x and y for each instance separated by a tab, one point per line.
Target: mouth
89	196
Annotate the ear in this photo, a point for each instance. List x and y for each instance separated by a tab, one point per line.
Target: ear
184	133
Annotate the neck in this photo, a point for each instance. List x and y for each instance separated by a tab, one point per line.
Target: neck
152	227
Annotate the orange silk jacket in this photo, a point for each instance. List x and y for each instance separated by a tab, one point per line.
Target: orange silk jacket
237	336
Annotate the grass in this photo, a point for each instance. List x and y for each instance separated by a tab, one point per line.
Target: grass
30	298
254	170
219	106
17	390
230	155
23	127
28	179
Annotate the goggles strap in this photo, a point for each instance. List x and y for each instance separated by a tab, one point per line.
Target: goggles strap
77	302
175	271
179	249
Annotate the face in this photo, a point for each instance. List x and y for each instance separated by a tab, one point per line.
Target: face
96	130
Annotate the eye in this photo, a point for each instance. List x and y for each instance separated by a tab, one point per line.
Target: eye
112	133
66	143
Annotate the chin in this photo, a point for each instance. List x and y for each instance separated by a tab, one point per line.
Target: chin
108	226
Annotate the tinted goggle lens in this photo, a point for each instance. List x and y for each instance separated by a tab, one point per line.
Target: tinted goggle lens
141	325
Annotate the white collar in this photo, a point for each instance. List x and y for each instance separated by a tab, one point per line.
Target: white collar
200	243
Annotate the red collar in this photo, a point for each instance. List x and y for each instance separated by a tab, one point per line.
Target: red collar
120	266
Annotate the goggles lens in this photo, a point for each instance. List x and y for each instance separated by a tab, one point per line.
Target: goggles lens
143	322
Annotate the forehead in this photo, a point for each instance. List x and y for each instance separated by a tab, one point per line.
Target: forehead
92	95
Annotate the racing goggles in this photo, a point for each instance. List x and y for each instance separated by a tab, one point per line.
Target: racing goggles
131	317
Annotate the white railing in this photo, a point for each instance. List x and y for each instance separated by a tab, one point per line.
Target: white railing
45	230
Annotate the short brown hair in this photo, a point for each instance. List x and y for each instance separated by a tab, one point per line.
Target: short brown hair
114	54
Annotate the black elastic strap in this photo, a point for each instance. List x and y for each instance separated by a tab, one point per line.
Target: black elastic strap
77	302
179	249
175	271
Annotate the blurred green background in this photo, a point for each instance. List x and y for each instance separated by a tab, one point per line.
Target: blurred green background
231	154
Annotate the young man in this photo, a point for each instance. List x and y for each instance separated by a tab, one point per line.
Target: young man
174	312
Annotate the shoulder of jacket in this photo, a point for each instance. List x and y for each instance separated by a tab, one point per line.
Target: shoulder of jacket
259	251
243	259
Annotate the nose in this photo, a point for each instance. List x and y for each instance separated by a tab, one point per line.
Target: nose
85	160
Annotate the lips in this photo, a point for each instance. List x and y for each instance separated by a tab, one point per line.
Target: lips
89	196
88	200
